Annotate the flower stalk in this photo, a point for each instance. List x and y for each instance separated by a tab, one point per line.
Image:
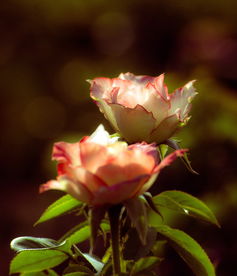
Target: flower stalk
114	215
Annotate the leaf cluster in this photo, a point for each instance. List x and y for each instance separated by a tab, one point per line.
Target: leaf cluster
141	225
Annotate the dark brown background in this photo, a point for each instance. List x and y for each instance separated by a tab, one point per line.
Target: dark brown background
49	48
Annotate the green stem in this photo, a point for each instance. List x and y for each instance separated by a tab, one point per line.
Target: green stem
114	214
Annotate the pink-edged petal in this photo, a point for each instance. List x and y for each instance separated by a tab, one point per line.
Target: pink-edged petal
120	84
52	185
75	189
161	87
67	153
105	108
100	88
181	99
119	192
149	149
138	79
170	159
165	129
135	124
153	102
88	179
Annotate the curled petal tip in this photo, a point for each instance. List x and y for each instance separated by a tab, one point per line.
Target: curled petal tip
52	184
43	188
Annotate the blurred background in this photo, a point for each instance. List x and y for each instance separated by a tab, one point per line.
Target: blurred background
49	48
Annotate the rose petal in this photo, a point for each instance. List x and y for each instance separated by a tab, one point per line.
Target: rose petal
126	166
180	100
99	91
155	104
100	88
65	184
91	181
134	124
67	153
149	149
93	156
138	79
101	136
52	185
166	129
161	87
119	192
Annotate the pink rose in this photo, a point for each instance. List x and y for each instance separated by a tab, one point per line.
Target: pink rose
140	108
100	170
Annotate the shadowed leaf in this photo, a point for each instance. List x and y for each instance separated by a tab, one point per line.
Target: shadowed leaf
145	265
137	212
190	251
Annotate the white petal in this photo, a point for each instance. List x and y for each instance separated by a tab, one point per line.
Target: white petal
101	136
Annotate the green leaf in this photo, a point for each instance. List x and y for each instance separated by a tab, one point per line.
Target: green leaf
38	273
145	265
79	274
97	264
81	232
163	148
137	212
49	272
61	206
94	262
36	260
32	243
153	218
185	204
158	248
77	234
188	249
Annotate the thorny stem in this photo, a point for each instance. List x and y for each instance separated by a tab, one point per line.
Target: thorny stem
114	214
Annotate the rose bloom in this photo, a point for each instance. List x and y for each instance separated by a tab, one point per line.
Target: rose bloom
100	170
140	107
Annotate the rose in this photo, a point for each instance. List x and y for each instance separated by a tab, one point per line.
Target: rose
140	108
101	170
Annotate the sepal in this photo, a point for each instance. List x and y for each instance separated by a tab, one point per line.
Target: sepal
96	215
137	213
174	145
